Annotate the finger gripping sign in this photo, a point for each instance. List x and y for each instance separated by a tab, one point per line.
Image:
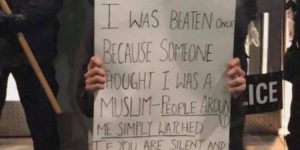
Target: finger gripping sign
166	63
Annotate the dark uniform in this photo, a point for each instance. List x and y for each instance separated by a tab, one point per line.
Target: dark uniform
292	74
246	11
37	20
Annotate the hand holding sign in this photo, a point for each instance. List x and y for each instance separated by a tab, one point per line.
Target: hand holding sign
95	76
237	81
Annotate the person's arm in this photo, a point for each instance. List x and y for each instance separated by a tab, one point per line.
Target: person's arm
289	63
92	81
85	101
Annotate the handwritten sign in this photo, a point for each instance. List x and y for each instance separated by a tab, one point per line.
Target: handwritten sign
166	64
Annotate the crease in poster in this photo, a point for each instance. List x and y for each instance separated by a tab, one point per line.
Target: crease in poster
166	63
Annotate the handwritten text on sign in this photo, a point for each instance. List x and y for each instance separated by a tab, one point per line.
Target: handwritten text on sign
166	62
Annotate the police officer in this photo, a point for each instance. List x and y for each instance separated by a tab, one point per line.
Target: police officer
292	74
37	20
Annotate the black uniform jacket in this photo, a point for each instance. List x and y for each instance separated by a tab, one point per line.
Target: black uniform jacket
40	30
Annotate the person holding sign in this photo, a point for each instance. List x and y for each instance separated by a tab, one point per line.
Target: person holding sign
37	20
95	76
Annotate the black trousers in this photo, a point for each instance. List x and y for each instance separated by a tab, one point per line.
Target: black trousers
293	138
40	116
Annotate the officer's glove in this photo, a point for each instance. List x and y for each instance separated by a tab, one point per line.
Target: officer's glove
13	23
16	21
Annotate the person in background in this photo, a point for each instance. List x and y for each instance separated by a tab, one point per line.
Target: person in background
37	20
292	74
95	75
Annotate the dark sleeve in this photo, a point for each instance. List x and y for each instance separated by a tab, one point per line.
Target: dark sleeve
38	11
85	100
289	64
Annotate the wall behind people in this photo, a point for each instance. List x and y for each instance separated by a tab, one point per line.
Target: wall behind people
75	28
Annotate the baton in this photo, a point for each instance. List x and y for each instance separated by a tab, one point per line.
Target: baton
37	69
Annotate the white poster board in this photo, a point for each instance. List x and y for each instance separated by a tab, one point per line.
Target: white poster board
166	63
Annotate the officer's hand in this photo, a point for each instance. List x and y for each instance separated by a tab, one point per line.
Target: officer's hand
17	21
96	76
13	23
237	81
